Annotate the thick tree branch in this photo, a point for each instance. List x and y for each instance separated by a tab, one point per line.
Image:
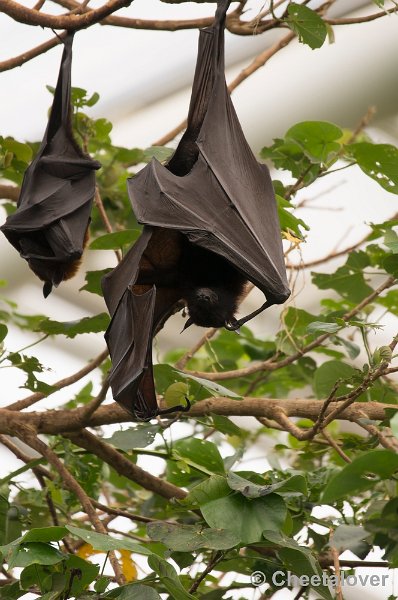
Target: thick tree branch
71	22
9	192
55	422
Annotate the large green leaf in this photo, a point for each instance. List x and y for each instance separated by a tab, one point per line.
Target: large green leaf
329	373
93	281
210	489
190	538
361	474
307	24
100	541
295	484
246	518
30	553
317	139
348	280
379	161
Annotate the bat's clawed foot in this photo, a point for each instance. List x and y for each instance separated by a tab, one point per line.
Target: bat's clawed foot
178	408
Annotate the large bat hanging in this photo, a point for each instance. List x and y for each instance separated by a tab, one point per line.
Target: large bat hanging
50	226
210	226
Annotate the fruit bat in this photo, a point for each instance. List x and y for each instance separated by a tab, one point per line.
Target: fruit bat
210	226
50	226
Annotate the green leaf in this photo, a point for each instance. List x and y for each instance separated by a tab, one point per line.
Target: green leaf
93	281
176	394
44	534
11	592
319	326
212	488
328	374
391	240
287	220
199	453
214	388
390	264
251	490
87	573
169	578
100	541
140	436
3	332
21	151
115	240
190	538
225	425
307	24
246	518
347	537
378	161
161	153
72	328
348	281
360	474
318	139
26	554
133	591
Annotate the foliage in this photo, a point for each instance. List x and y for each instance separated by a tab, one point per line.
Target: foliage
215	512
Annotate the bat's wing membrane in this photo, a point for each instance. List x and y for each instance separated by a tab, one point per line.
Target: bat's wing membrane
50	223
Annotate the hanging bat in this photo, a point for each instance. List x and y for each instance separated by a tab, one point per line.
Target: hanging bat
50	226
210	225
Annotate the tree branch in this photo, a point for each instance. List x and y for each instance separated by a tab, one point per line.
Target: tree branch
71	22
55	422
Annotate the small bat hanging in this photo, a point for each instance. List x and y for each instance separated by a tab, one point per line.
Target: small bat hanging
50	226
210	226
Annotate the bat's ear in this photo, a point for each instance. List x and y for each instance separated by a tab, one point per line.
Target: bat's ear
187	324
47	287
232	325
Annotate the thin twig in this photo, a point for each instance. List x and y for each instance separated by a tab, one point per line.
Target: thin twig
30	400
336	447
99	204
218	556
256	64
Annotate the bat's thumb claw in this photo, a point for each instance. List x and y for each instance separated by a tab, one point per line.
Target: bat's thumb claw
188	323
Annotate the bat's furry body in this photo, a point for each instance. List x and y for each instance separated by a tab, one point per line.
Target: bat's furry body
209	285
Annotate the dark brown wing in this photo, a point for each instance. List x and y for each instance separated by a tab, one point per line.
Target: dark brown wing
50	224
138	311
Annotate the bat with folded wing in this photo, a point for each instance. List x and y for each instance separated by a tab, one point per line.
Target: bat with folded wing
50	226
210	226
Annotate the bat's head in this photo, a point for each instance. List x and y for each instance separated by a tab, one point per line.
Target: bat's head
211	307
